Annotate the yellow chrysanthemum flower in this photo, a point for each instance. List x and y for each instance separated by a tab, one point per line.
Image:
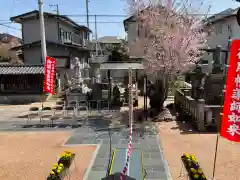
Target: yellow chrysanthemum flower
196	176
186	154
199	170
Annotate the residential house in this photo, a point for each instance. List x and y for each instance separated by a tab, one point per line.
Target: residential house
104	43
65	40
220	27
103	47
133	30
8	41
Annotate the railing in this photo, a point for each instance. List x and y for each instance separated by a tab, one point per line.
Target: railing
195	110
202	114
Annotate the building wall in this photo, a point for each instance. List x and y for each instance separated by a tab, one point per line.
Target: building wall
31	30
32	56
132	34
222	31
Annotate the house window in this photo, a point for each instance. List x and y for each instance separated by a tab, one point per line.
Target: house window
66	37
219	29
230	30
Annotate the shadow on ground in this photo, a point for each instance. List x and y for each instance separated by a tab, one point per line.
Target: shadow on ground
186	125
186	128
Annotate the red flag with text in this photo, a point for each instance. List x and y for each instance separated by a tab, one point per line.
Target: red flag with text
49	75
230	125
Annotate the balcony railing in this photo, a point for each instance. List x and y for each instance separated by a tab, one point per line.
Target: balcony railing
72	38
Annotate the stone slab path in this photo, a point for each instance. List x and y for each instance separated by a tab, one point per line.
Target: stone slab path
154	162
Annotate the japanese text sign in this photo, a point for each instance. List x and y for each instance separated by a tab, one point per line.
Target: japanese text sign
230	127
49	75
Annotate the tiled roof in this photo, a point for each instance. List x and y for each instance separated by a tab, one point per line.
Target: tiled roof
35	13
121	65
4	70
108	40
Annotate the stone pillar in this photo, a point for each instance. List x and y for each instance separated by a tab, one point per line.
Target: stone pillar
200	115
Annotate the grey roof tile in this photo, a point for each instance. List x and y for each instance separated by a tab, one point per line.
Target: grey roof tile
4	70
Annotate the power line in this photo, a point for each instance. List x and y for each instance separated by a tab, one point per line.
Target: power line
10	27
80	22
122	15
13	4
93	15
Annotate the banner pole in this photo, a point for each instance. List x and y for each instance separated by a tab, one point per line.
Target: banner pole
215	157
222	103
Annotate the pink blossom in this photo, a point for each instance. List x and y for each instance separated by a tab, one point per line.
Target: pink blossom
170	40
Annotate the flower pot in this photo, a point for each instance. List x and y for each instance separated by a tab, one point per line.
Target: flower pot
66	162
53	178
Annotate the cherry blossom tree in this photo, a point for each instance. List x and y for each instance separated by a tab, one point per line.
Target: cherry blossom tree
170	39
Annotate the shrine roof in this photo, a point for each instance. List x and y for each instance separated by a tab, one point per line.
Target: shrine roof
15	70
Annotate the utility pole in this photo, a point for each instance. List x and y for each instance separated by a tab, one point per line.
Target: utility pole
96	37
87	13
56	6
42	31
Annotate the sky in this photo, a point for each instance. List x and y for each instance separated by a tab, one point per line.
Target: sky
106	25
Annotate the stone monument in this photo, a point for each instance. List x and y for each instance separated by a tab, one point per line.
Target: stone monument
80	80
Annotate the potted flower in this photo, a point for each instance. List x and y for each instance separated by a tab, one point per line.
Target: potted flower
65	159
193	168
55	174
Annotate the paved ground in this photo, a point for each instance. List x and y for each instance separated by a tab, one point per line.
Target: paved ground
9	113
96	131
31	155
179	138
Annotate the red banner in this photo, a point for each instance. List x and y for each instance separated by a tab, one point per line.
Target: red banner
230	127
49	75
